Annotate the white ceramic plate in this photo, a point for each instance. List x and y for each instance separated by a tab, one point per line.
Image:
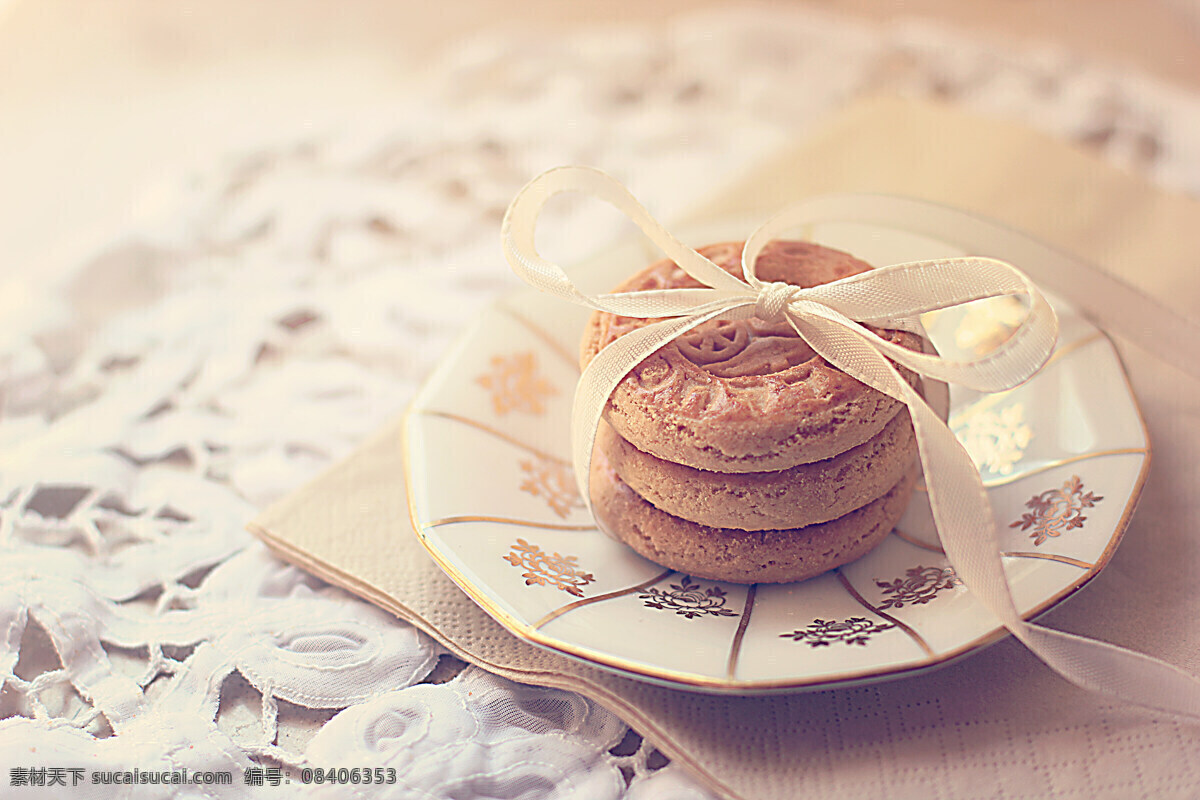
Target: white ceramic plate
494	501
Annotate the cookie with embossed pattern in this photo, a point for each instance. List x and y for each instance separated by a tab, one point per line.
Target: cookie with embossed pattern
727	554
743	395
805	494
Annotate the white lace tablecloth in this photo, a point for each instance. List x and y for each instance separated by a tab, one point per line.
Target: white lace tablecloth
289	300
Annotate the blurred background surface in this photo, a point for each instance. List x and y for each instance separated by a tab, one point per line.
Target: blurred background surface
102	101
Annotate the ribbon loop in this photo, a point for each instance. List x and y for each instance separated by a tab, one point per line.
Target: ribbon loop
833	318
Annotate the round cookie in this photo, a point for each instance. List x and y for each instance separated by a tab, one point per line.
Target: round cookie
743	395
725	554
805	494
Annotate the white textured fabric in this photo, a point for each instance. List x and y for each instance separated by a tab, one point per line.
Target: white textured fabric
289	301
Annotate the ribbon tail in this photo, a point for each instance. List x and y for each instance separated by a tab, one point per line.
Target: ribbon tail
966	525
607	369
967	529
1117	671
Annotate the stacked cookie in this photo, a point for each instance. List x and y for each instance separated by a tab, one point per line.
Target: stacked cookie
735	452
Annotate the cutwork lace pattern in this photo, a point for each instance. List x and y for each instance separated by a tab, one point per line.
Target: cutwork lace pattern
289	301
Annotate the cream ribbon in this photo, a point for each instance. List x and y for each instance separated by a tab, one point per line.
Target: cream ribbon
831	319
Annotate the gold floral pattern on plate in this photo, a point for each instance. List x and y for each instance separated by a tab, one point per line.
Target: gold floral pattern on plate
918	586
824	632
543	569
1056	511
516	385
552	481
995	439
687	599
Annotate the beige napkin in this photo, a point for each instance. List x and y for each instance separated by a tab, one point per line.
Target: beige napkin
996	723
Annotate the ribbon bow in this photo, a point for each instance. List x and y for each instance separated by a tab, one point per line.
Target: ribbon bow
832	319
